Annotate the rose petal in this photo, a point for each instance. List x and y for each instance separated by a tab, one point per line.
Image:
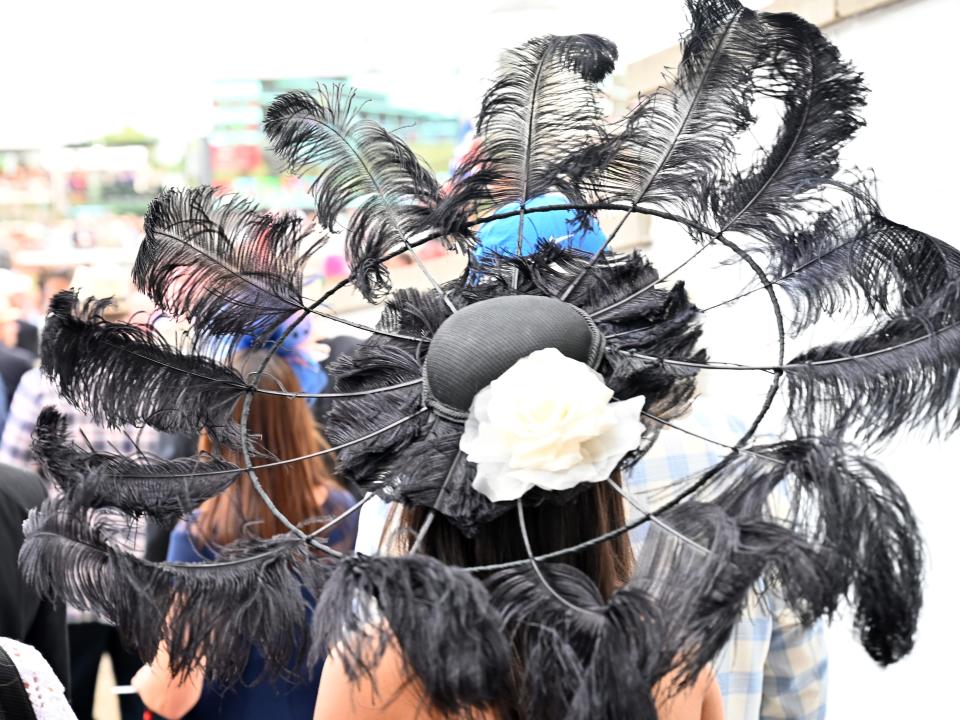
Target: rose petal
547	422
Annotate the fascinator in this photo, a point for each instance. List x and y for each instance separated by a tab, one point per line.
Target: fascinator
540	371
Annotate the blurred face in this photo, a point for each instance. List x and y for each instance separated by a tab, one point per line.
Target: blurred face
51	286
8	333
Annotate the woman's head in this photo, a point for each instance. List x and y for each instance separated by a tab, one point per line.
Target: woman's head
284	428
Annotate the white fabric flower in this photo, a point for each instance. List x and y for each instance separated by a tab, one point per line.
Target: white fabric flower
547	422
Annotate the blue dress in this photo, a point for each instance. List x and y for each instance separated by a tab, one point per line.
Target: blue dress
267	699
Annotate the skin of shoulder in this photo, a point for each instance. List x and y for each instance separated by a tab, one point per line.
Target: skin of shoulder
392	695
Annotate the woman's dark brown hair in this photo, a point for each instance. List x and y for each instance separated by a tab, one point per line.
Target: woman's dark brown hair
286	429
596	511
550	527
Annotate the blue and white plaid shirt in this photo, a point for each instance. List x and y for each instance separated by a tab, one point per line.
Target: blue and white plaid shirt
772	667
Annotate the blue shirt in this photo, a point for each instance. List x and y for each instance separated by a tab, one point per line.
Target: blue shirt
253	697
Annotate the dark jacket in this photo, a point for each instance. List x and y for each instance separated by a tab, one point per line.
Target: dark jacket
14	362
23	615
340	346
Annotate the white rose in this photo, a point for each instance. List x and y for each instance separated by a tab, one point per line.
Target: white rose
547	422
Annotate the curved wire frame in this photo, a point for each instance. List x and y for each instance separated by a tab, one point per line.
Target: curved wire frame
646	515
655	510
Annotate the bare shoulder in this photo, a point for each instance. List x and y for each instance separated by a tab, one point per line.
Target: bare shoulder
391	694
700	700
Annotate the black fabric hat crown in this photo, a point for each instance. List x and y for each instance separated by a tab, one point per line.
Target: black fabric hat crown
476	345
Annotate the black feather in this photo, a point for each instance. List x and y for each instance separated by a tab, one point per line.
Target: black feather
823	97
351	418
207	615
843	262
677	141
439	617
221	263
574	659
540	109
903	374
125	374
140	485
851	259
356	161
701	592
847	506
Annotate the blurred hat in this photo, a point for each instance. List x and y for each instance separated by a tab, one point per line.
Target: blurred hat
563	227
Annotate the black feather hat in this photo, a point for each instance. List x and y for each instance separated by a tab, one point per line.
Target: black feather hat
418	411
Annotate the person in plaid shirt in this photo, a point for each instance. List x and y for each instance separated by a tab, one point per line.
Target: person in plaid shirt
772	668
89	635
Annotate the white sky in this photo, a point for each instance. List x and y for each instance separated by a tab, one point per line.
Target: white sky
74	71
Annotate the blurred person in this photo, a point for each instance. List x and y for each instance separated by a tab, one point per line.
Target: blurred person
312	360
28	337
22	292
295	350
90	636
14	361
336	347
24	616
4	405
51	282
307	492
562	227
567	228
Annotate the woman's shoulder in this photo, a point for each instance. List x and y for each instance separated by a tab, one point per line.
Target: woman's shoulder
184	546
391	693
343	535
338	499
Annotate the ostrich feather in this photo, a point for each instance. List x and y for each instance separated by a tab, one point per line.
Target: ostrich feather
700	591
677	141
539	110
459	654
125	374
902	374
856	262
163	489
849	506
357	161
208	615
572	658
851	259
822	96
221	263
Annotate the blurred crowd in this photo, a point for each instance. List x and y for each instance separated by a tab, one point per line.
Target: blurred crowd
304	491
